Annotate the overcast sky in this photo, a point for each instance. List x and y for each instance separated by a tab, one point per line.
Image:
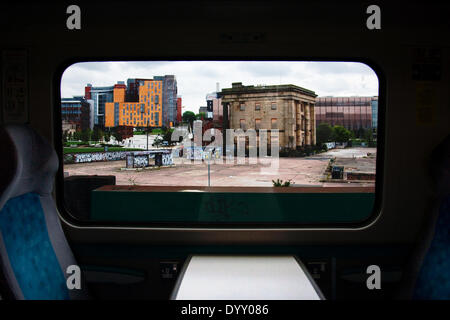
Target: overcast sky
197	78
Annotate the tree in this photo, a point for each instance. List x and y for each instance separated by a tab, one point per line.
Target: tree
158	141
97	134
368	136
85	135
77	135
189	117
65	135
200	116
340	134
167	136
324	133
360	133
107	136
117	135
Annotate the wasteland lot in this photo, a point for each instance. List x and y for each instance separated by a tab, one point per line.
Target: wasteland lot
307	171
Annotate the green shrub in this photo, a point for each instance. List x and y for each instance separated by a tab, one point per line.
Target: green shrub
279	183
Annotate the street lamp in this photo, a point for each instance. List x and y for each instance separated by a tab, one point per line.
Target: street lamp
147	135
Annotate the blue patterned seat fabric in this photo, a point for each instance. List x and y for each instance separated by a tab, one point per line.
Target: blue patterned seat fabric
433	282
31	255
34	253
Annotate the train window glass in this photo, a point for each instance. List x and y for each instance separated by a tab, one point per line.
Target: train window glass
307	156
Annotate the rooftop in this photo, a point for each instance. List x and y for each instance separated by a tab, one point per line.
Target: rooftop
237	87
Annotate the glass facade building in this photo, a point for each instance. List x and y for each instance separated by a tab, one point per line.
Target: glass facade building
169	99
100	96
374	112
76	111
353	113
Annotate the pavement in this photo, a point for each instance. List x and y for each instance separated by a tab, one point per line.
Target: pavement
307	171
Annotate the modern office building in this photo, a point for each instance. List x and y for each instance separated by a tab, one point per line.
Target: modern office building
374	103
351	112
146	112
132	89
100	96
287	108
169	99
77	112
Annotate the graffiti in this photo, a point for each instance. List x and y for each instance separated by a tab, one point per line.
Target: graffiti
97	156
141	158
194	153
167	159
140	161
198	153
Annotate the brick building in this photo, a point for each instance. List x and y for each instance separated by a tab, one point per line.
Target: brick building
288	108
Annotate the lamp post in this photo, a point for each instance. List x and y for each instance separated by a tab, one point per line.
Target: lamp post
147	135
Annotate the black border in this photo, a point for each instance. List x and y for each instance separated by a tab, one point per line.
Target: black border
57	140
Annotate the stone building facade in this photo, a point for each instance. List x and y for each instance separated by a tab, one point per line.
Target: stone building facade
288	108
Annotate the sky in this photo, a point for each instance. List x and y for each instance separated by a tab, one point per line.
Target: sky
195	79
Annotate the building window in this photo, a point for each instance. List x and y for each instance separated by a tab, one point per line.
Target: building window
257	124
273	106
242	124
242	107
257	106
274	123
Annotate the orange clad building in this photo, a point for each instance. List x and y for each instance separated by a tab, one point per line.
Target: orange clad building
147	112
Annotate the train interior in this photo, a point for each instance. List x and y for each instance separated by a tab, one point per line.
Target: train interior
133	239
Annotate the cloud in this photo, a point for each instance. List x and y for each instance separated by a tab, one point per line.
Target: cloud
195	79
266	69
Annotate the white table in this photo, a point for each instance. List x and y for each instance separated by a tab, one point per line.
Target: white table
218	277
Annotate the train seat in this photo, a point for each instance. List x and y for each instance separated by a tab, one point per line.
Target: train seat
34	253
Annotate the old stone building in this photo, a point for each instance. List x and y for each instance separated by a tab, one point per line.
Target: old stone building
288	108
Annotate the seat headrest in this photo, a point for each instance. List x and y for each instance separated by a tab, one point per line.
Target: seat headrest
28	163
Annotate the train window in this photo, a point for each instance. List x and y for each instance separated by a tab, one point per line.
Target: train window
190	153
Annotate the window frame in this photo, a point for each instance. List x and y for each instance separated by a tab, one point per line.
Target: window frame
59	179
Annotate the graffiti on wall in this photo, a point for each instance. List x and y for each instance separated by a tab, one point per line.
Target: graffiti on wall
140	159
199	153
167	159
94	156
